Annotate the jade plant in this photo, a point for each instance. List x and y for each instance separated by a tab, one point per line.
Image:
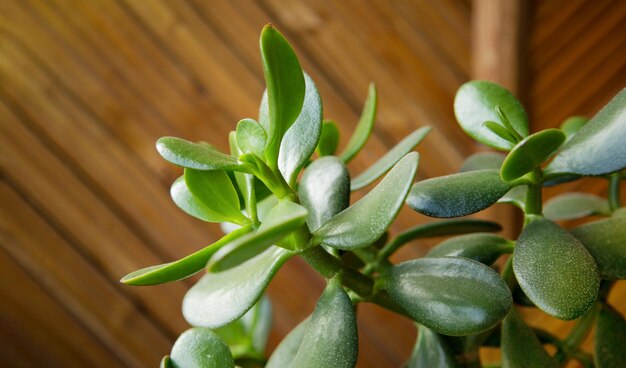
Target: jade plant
284	191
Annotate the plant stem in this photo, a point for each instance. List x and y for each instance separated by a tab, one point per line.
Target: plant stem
578	334
614	191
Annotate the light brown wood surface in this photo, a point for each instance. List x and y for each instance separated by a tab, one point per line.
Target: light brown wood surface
86	87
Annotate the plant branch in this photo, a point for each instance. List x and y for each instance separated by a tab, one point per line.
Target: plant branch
614	191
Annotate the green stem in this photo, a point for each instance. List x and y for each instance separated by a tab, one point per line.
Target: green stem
508	275
572	342
614	191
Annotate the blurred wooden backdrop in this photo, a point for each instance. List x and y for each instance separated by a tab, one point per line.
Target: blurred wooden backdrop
86	87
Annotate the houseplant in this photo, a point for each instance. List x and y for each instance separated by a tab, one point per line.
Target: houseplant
455	295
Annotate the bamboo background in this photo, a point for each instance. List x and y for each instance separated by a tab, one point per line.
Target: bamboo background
86	87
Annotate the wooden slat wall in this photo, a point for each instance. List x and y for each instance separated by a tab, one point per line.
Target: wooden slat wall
86	87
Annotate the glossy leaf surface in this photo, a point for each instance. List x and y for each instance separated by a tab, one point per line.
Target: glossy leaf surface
609	339
457	194
516	197
500	131
247	336
483	161
281	220
285	88
182	268
200	348
431	351
520	346
364	222
251	137
302	137
186	201
555	270
220	298
482	247
216	192
166	362
598	147
389	159
572	125
531	152
331	339
364	127
286	351
324	190
606	241
476	102
329	139
451	295
570	206
195	155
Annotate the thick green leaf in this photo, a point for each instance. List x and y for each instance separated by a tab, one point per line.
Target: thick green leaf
216	192
501	131
389	159
251	137
281	220
572	125
324	190
521	347
609	339
606	241
570	206
220	298
166	362
476	102
200	348
364	222
483	161
288	348
331	339
482	247
364	127
451	295
457	194
516	197
301	139
598	147
195	155
329	139
182	268
247	336
285	88
531	152
555	270
245	182
431	351
191	205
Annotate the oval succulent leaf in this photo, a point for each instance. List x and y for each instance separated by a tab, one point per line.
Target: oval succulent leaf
251	138
329	139
476	102
166	362
483	161
457	194
531	152
280	221
500	131
431	351
195	155
182	268
555	270
288	348
570	206
364	222
285	88
300	140
247	336
598	148
389	159
606	241
451	295
215	190
572	125
521	346
201	348
324	190
364	127
482	247
516	197
609	339
220	298
186	201
331	339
